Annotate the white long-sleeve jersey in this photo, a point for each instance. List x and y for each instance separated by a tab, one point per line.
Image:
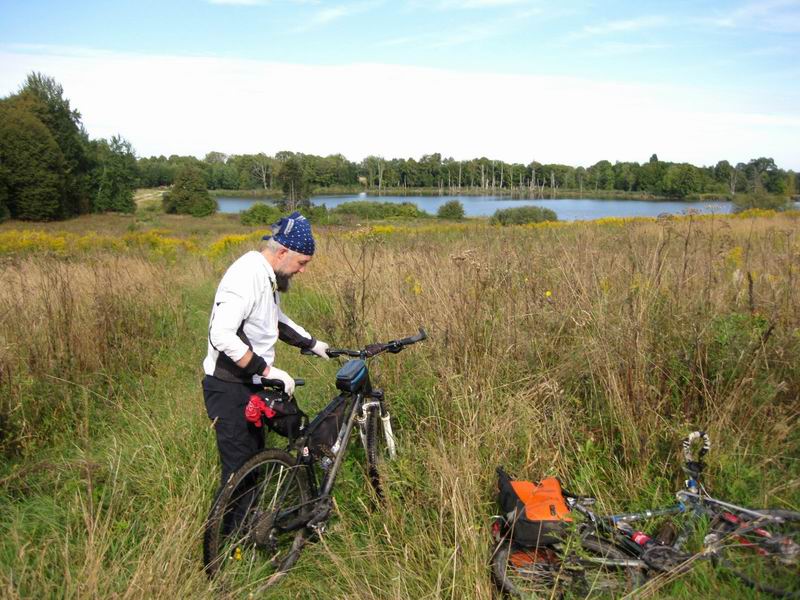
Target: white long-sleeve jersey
247	315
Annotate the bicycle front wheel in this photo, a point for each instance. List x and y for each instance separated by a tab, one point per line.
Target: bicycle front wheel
375	449
587	572
764	553
248	544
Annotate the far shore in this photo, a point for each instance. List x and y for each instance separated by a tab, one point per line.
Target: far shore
523	194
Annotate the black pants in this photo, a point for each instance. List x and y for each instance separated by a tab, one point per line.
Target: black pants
237	438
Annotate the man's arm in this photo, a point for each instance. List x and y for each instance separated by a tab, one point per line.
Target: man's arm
291	333
226	317
245	361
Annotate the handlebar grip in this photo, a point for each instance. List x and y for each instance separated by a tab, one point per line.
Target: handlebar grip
308	352
278	384
421	335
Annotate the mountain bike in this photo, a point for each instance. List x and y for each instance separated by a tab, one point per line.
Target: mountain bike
279	499
609	557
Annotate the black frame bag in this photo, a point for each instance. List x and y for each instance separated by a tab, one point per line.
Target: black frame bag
323	431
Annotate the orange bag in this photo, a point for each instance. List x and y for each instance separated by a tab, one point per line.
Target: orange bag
536	512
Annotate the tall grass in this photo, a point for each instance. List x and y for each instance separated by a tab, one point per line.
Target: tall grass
586	351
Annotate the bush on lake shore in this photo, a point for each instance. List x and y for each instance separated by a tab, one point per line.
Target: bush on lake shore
452	210
742	202
367	209
523	214
260	214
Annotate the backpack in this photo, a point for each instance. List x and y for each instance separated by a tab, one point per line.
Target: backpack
536	513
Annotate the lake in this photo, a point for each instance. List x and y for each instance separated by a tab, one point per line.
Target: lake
567	209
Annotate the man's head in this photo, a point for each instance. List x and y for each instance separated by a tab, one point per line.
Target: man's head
289	249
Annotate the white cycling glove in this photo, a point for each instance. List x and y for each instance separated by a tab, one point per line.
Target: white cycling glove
320	349
281	375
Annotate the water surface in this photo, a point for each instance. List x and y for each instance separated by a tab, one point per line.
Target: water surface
567	209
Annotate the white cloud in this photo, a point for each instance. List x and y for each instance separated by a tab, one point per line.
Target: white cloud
325	16
472	4
237	2
467	33
192	105
779	16
256	2
621	26
625	48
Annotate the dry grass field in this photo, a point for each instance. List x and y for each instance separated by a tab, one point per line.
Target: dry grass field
585	350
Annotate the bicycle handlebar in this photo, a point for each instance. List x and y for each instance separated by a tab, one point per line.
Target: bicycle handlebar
688	453
393	346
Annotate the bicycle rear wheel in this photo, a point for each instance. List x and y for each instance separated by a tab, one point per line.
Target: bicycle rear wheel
547	572
763	553
244	547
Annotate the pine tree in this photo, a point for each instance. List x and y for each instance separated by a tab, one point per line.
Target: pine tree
115	176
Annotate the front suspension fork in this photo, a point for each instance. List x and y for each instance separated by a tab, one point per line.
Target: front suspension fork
376	403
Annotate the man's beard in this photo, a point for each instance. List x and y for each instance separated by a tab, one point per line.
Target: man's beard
282	281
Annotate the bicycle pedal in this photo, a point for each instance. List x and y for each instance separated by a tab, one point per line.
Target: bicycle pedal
318	529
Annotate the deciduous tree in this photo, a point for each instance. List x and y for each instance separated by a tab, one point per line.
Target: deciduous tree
33	166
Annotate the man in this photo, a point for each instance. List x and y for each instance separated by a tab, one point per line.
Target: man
246	322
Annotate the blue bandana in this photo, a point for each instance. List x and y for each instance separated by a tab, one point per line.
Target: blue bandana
294	232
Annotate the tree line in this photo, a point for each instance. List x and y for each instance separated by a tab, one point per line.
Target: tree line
300	174
49	168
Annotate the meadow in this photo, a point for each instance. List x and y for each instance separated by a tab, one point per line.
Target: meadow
582	350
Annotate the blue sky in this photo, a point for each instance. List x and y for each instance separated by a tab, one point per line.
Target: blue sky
731	64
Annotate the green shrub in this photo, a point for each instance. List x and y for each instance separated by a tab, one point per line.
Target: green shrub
189	194
522	215
260	214
320	215
761	199
368	209
453	210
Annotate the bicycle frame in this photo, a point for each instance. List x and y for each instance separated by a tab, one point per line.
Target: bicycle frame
692	498
356	411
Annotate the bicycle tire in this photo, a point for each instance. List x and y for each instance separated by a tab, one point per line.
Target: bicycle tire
547	573
374	445
765	556
242	551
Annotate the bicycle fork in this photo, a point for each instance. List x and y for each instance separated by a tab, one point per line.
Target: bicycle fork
388	434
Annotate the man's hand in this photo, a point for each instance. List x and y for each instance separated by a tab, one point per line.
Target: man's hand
320	349
280	375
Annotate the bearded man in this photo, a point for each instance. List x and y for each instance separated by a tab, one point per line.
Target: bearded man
246	323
